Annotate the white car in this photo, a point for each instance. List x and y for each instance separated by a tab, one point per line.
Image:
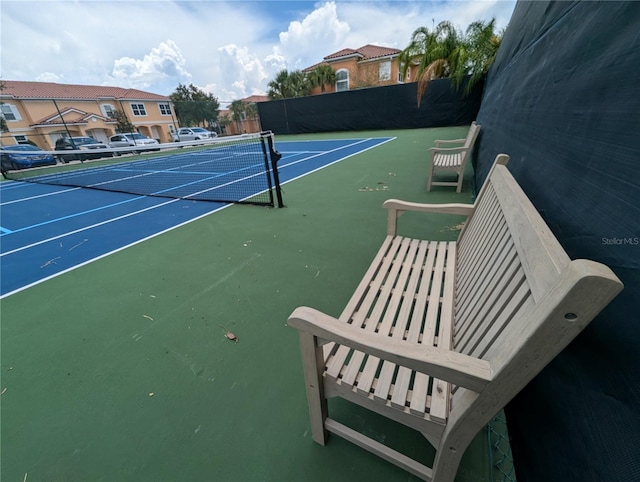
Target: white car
133	139
193	134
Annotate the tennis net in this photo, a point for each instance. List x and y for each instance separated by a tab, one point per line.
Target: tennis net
234	169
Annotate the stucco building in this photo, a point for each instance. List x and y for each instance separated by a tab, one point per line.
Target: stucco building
367	66
42	112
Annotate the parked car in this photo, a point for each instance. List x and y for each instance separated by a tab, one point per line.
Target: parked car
132	139
84	143
28	156
193	134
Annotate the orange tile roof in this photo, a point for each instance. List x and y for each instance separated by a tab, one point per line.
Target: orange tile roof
342	53
366	52
48	90
256	98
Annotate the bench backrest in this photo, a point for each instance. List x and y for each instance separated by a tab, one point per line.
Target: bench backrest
474	130
519	298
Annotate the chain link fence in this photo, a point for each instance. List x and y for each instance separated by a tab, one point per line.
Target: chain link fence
500	450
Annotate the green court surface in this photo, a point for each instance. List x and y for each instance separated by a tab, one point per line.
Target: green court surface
120	370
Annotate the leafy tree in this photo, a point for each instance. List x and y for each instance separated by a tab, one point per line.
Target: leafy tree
123	124
4	127
193	106
322	75
446	52
289	84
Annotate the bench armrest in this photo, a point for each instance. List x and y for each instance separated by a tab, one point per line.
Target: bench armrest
396	207
472	373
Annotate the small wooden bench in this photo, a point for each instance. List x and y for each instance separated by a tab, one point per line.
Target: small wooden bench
451	159
439	336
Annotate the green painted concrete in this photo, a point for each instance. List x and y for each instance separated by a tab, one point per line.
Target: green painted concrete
120	370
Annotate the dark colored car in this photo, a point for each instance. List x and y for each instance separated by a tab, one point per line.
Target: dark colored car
23	156
83	143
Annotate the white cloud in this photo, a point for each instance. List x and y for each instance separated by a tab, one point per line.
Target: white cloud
164	63
320	29
50	77
275	62
232	48
241	71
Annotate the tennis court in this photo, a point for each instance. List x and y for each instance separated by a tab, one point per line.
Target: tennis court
119	369
51	226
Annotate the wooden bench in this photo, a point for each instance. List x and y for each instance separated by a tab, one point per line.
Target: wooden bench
451	159
439	336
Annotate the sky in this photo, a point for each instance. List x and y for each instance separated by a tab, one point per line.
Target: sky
231	49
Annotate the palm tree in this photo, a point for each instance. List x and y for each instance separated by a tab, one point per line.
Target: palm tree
252	113
322	75
298	84
223	122
278	86
481	46
435	53
288	84
446	52
238	108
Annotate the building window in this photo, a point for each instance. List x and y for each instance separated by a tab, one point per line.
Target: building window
342	80
10	112
165	109
138	109
21	139
108	110
243	116
385	71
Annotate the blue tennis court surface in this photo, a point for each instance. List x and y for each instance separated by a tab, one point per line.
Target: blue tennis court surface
46	230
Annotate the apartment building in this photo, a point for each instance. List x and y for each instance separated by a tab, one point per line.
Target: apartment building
42	112
367	66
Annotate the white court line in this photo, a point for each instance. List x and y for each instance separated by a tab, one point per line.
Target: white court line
172	227
337	160
78	214
104	255
39	196
101	223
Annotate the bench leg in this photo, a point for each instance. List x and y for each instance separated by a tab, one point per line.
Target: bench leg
430	178
446	464
313	366
460	177
453	444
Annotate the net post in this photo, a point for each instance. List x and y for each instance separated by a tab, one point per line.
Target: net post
275	156
267	169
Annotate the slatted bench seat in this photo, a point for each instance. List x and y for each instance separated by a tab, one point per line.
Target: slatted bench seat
439	336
